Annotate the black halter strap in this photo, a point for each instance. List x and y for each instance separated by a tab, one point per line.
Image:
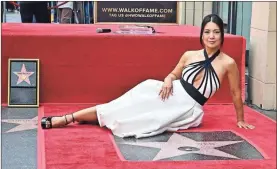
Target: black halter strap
208	60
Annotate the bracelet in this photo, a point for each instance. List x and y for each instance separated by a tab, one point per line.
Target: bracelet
174	75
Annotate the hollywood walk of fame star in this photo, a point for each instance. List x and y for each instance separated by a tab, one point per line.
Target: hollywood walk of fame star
171	147
25	124
23	75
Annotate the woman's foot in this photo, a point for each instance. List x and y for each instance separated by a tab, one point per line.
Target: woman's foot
57	121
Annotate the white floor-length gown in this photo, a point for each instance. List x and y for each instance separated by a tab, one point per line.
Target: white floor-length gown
140	112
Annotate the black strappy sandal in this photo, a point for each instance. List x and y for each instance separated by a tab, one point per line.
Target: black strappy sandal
46	122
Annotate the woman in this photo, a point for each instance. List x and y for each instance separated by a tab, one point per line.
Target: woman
153	107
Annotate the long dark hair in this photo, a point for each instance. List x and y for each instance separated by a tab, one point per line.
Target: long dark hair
215	19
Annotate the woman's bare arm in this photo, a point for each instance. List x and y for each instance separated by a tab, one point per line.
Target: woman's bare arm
167	87
234	82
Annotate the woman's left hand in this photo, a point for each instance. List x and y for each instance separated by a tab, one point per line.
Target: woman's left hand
242	124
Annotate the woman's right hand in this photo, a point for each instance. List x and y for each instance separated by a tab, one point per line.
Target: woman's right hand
167	89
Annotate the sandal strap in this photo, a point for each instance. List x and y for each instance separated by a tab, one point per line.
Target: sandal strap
66	122
73	119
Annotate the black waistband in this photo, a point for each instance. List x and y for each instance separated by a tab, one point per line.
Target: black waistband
193	92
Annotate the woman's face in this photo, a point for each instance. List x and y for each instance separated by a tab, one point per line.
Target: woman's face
211	35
